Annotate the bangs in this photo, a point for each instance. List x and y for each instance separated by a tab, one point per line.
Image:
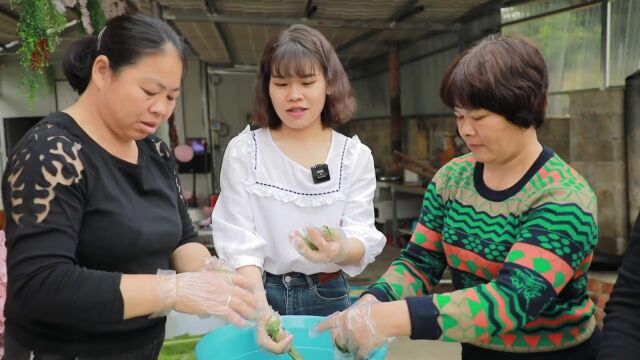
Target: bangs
505	75
473	81
292	59
459	89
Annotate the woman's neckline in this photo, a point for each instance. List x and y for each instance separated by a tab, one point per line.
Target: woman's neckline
295	163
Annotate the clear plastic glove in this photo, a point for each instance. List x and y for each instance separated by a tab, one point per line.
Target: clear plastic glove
321	245
225	295
354	330
216	264
271	336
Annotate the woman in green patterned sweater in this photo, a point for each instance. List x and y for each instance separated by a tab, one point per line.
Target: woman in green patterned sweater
515	224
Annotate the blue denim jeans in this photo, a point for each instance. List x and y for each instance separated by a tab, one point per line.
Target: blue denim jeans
299	294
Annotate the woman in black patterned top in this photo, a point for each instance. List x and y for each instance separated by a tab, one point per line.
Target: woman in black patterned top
96	226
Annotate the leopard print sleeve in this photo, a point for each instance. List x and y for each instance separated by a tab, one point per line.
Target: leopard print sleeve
44	195
45	162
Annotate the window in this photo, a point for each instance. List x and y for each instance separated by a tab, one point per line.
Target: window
534	8
570	42
624	49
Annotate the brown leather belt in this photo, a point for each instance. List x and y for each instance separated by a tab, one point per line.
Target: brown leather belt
326	277
318	278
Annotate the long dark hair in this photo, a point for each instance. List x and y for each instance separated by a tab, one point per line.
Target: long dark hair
124	40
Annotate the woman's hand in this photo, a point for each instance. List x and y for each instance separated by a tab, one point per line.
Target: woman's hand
222	294
324	245
271	336
355	332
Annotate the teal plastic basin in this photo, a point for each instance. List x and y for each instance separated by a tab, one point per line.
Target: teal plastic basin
232	343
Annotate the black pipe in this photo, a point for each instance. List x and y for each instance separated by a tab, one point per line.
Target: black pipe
632	133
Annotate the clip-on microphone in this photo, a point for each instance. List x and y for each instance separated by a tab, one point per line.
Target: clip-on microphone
320	173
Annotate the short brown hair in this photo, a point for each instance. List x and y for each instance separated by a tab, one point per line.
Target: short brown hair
301	49
503	74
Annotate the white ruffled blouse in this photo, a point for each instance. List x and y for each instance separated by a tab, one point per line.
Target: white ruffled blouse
265	196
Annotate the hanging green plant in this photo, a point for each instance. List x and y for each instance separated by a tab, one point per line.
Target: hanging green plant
39	28
96	15
90	13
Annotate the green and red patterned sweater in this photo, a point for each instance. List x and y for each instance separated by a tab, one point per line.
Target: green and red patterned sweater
518	259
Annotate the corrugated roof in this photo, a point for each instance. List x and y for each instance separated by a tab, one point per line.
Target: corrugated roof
233	32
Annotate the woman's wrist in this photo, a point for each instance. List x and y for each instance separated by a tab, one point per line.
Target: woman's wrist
391	319
353	253
167	291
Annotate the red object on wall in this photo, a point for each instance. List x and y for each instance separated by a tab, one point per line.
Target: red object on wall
213	200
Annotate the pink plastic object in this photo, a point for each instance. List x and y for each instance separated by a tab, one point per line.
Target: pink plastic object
183	153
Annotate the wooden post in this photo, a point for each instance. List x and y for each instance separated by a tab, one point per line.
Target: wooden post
396	112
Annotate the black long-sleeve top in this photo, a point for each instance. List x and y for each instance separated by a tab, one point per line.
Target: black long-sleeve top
77	219
621	335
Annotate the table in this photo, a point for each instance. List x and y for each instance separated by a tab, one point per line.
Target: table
396	188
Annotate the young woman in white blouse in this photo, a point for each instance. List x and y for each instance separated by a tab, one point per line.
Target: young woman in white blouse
296	178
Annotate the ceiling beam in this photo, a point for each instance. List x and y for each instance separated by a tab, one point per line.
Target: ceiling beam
409	10
8	14
310	9
211	6
185	15
213	10
406	12
7	18
9	48
482	9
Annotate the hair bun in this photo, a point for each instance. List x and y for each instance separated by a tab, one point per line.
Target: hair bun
78	62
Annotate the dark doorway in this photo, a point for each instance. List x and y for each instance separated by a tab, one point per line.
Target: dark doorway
15	128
